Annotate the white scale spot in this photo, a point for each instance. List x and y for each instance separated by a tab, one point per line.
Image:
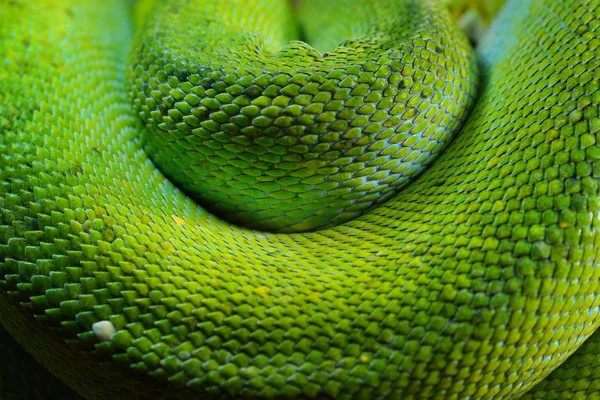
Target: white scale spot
104	330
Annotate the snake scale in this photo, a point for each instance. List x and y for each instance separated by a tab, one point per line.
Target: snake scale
196	204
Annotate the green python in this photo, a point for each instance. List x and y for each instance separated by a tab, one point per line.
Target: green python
438	210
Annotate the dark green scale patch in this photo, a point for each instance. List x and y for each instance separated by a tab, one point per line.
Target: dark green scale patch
291	103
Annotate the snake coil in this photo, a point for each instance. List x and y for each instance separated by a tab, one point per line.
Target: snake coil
399	271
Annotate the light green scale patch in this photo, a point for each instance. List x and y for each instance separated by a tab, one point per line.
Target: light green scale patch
474	16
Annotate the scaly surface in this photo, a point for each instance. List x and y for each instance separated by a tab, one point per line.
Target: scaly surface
280	137
475	281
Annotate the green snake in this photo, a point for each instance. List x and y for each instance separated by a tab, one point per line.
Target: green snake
195	203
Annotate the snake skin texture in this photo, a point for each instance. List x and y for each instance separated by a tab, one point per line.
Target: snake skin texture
282	137
478	280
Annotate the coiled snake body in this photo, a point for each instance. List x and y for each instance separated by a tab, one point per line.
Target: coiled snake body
470	275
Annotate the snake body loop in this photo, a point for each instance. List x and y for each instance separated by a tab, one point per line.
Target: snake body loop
277	136
476	281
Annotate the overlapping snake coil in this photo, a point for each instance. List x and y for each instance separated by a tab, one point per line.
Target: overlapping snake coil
195	203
